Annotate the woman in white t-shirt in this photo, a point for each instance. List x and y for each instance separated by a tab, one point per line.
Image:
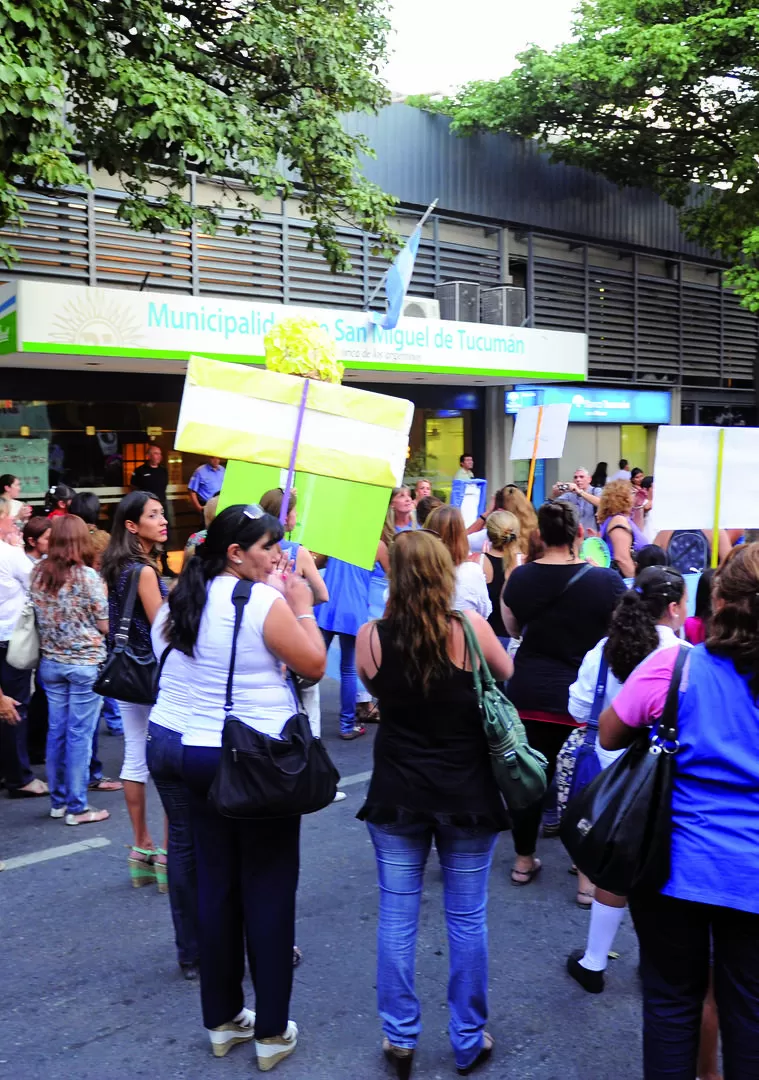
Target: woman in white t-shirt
247	871
471	592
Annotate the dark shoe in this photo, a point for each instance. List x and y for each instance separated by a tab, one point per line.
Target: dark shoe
483	1056
401	1058
191	972
592	981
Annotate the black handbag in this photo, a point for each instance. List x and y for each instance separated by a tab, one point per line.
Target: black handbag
618	830
260	777
127	675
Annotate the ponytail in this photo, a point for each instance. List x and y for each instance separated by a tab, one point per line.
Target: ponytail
633	635
243	525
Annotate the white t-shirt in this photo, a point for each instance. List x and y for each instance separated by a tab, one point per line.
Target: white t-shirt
15	570
583	691
193	688
471	592
623	474
477	541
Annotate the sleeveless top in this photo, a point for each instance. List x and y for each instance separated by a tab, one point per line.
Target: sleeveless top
431	762
139	630
495	588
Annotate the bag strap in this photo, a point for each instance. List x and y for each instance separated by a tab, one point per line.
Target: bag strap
600	694
480	670
580	573
240	597
121	636
665	737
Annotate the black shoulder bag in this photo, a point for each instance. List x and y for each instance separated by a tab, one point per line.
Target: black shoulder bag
126	675
260	777
618	830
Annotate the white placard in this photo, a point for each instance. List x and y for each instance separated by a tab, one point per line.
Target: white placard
553	432
685	478
470	504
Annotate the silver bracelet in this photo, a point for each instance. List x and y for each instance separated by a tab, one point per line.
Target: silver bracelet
310	615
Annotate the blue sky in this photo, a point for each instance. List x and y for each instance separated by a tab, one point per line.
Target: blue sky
439	45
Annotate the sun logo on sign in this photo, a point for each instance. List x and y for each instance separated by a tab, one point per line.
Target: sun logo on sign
96	319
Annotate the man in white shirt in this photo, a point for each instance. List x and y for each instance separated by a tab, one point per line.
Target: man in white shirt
465	470
624	471
15	570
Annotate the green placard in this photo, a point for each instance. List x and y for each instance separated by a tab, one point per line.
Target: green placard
27	459
335	517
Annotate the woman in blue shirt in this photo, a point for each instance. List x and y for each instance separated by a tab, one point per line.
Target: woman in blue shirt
711	899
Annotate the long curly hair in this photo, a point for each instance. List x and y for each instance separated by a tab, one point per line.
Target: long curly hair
734	623
417	615
70	548
617	497
514	500
633	634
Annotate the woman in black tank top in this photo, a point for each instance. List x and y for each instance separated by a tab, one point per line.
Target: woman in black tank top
431	781
503	534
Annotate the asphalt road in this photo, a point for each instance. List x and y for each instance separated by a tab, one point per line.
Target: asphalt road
89	986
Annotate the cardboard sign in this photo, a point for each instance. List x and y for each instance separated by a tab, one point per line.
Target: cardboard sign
553	432
686	478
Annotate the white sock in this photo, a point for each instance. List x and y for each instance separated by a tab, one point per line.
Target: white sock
604	923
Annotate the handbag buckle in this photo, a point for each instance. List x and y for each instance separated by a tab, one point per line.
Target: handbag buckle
659	746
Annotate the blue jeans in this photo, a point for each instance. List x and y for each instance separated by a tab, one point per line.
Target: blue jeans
74	709
465	856
164	758
348	678
112	716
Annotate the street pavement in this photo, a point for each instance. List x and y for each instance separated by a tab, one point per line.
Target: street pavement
89	986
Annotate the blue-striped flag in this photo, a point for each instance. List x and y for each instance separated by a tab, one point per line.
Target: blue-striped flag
397	282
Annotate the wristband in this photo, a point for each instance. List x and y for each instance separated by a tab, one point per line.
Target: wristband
310	615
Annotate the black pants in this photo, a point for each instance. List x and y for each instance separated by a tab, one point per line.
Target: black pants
676	938
14	752
548	738
247	880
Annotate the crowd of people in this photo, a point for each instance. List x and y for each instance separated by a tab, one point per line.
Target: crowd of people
580	648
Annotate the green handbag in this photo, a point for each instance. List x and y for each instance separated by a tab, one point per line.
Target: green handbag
519	771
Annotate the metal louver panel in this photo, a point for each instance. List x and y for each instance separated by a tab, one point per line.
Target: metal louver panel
701	334
125	256
560	296
658	329
53	241
247	265
611	304
309	278
741	341
459	263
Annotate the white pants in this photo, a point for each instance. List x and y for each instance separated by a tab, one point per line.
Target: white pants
135	719
313	707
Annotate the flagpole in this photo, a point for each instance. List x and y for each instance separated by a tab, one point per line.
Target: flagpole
419	225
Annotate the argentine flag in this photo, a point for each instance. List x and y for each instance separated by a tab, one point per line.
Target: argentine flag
397	282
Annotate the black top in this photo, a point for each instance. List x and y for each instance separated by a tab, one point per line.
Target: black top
430	756
155	480
495	588
557	631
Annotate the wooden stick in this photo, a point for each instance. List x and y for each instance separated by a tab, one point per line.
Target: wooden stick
718	498
533	461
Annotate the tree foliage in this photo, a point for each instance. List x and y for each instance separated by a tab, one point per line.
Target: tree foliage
656	93
152	90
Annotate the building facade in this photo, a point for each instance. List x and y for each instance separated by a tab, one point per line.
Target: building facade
593	260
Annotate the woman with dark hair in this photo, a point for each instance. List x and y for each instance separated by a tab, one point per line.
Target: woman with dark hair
86	505
139	527
650	555
641	502
710	902
425	507
36	537
431	781
471	592
10	488
561	608
71	610
305	567
697	626
247	870
648	618
58	499
600	475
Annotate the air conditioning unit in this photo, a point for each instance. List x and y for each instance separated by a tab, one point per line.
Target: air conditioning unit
506	305
459	300
421	307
